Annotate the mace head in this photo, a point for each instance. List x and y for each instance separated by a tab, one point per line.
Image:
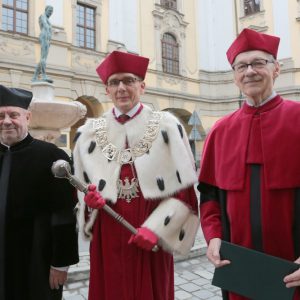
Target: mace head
61	169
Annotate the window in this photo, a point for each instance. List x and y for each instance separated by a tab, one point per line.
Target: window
85	28
15	16
169	4
170	54
251	6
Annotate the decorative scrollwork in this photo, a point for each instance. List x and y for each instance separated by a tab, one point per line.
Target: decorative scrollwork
125	156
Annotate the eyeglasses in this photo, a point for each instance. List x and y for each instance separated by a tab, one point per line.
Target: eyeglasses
128	81
255	65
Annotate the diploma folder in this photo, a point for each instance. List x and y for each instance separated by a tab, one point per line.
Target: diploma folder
253	274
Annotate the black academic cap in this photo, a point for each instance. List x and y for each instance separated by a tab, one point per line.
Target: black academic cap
14	97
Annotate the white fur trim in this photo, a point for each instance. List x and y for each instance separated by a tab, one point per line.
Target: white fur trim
172	161
86	226
164	160
175	224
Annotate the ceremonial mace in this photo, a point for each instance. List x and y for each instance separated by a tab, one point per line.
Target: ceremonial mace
62	169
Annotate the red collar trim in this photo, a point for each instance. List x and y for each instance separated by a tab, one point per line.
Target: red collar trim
268	106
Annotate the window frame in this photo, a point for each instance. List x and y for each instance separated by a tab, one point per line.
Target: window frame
85	27
252	12
169	4
15	9
174	60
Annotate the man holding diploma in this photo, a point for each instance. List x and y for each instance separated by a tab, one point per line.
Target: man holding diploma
250	170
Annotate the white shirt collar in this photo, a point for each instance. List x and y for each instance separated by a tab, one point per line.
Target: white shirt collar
250	102
130	113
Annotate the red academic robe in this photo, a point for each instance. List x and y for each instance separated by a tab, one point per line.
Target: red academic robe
267	136
125	272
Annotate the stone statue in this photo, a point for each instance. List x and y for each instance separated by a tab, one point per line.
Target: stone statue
44	38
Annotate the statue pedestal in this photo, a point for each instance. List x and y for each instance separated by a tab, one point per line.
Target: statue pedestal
49	116
42	91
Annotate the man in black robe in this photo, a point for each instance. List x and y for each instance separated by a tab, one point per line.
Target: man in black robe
38	239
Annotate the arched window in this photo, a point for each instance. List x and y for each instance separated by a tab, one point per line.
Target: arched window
169	4
15	16
251	6
170	54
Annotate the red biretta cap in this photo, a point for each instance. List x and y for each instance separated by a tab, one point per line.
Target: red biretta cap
252	40
122	62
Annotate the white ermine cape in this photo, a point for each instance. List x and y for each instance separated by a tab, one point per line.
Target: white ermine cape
165	169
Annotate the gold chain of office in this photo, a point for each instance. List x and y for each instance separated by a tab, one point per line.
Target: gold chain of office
128	155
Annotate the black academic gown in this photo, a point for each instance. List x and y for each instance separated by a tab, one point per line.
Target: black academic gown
37	221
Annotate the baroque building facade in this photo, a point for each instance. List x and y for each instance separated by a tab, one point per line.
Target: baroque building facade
186	42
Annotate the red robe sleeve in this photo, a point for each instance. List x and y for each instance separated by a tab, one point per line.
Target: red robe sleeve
210	218
188	196
210	212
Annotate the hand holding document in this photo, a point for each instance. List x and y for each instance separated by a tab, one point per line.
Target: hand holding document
254	274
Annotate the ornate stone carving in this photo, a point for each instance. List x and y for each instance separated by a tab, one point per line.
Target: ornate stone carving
172	80
16	48
157	25
182	35
183	86
85	62
169	21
